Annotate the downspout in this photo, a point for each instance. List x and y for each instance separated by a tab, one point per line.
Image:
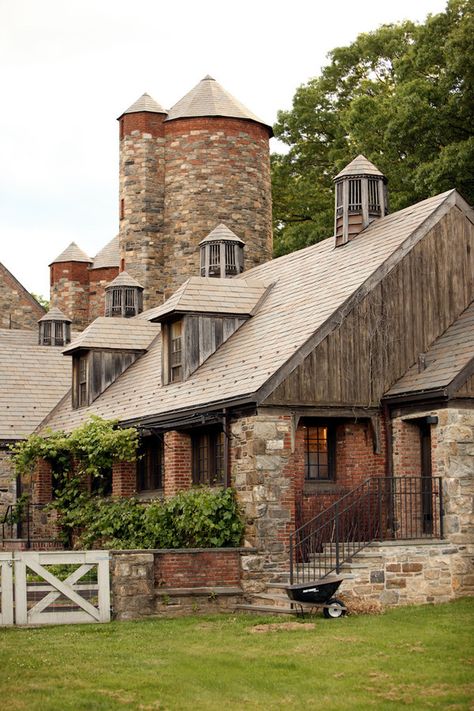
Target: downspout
389	488
226	449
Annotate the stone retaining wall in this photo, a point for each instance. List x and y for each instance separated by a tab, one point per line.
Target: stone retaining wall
411	573
168	583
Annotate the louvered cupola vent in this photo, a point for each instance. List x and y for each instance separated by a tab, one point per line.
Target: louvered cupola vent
123	297
222	253
54	328
361	197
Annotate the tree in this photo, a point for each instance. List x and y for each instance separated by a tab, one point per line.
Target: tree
404	97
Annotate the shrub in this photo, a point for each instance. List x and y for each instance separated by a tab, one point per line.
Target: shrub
199	518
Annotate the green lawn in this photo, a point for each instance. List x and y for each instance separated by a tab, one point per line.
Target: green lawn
418	657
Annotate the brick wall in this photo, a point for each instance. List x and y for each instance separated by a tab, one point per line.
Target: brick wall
42	482
177	457
18	309
98	280
355	461
197	568
70	291
175	582
124	479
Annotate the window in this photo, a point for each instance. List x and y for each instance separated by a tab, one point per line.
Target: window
150	465
319	453
102	485
208	457
82	382
176	351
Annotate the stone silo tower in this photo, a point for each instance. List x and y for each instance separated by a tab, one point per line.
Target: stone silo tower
217	171
141	195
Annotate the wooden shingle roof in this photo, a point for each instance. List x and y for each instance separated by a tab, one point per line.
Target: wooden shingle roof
450	355
115	333
311	290
207	295
33	379
209	98
73	253
109	256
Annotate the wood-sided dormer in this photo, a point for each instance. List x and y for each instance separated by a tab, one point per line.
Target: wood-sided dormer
200	316
103	351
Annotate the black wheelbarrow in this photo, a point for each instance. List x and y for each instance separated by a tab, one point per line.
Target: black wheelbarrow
319	593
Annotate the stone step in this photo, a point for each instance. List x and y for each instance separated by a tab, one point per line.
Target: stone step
267	609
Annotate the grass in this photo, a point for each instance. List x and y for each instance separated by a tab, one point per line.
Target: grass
417	658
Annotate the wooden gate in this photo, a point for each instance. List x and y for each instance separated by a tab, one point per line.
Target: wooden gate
55	587
6	588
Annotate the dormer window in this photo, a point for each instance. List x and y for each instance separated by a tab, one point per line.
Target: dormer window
54	329
176	351
123	297
200	316
222	253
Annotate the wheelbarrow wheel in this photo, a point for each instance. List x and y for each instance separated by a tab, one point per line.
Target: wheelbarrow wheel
335	609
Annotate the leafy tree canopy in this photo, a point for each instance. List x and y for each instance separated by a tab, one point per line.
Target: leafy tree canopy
404	97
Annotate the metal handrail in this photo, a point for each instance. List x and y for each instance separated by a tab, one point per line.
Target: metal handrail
380	508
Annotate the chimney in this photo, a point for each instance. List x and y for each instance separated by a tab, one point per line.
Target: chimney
361	197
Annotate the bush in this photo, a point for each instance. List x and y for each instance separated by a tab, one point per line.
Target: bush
199	518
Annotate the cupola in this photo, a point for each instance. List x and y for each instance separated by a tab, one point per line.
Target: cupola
222	253
123	296
54	328
361	197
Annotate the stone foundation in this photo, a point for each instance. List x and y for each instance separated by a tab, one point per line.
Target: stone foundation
410	574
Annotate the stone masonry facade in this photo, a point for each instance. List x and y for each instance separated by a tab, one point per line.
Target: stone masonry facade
18	309
217	171
178	181
7	480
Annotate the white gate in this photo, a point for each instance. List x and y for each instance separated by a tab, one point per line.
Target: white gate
6	588
76	589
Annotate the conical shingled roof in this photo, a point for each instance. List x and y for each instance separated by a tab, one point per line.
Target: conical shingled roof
221	233
109	256
145	103
209	98
359	166
54	314
124	279
73	253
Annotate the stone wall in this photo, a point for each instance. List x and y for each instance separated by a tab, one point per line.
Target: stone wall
168	583
7	480
70	291
217	171
141	188
410	573
18	309
98	280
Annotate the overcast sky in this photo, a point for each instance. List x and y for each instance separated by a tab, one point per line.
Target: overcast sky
70	67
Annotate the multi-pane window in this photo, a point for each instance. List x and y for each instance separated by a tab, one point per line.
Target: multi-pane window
82	381
208	457
319	453
176	351
150	465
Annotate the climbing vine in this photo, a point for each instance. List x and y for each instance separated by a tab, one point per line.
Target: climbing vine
199	518
93	447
